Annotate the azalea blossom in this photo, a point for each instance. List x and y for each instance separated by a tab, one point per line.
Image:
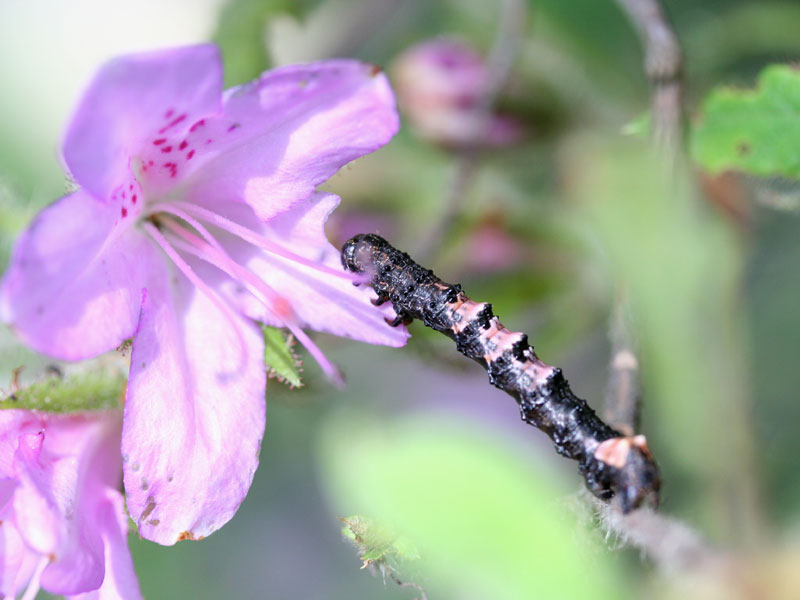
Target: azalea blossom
64	526
197	216
442	86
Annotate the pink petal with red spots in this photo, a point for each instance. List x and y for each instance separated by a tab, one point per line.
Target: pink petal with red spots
74	285
280	137
133	102
194	413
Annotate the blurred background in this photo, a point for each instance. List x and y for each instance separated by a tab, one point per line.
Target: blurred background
560	217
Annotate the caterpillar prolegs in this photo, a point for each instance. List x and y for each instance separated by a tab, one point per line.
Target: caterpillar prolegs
611	463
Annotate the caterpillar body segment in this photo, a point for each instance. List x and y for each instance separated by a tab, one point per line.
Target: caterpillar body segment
611	463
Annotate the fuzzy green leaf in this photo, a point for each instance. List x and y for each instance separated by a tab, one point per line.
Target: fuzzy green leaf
483	515
755	131
279	356
377	541
81	392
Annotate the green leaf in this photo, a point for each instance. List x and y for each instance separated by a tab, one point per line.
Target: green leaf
377	541
755	131
240	35
90	391
279	357
488	519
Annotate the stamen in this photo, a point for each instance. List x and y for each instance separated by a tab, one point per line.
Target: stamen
187	270
192	221
33	585
265	294
259	241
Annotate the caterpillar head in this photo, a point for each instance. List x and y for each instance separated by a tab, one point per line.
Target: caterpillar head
359	253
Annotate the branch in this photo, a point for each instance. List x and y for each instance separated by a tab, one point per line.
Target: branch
663	64
672	545
623	396
507	41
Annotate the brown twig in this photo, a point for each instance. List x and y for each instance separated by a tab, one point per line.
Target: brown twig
409	584
505	47
663	63
623	395
669	543
463	174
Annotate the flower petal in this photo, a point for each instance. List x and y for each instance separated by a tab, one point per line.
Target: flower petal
73	289
69	478
135	100
322	301
120	581
280	137
17	561
194	414
13	423
35	501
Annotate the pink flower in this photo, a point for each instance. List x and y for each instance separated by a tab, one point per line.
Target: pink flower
442	85
198	214
64	526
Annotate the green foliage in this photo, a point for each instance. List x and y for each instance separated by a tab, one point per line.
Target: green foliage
93	390
639	126
378	542
755	131
742	34
680	265
486	519
240	35
279	357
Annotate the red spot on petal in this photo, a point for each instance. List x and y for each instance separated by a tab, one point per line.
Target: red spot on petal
166	149
133	198
172	123
200	123
150	162
189	155
159	141
123	194
124	212
183	145
234	126
282	307
169	113
130	187
209	141
173	168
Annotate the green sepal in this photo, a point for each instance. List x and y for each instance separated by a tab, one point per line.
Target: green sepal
377	542
81	392
279	357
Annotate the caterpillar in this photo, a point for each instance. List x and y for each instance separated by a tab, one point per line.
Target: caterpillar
612	464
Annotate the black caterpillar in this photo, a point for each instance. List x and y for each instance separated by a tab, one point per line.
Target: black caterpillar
611	463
